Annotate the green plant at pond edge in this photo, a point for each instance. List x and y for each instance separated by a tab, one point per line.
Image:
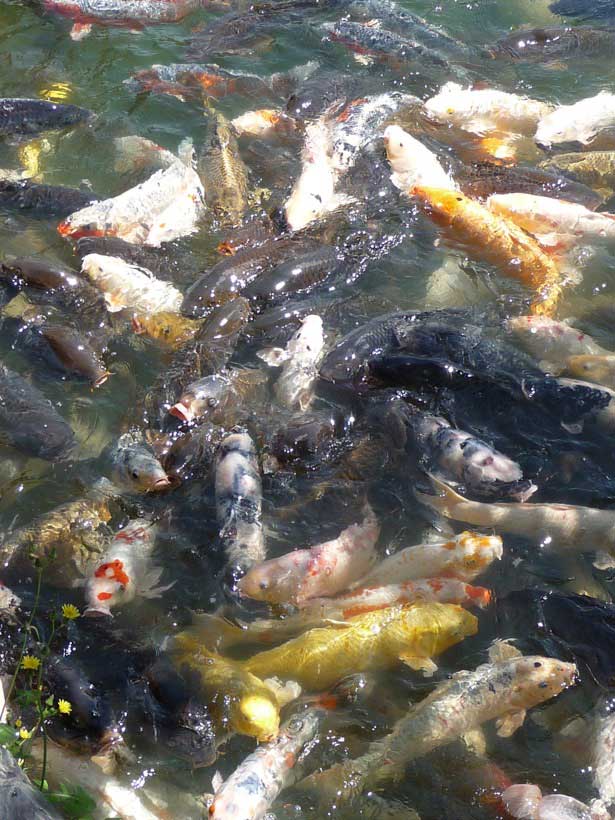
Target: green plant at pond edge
31	696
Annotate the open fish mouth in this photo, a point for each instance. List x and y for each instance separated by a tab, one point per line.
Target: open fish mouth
181	412
96	612
161	484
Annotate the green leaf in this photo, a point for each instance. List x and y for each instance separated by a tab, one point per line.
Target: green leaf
74	801
7	734
49	700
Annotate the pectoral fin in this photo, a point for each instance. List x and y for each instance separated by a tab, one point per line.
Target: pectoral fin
509	724
503	651
424	665
273	356
148	588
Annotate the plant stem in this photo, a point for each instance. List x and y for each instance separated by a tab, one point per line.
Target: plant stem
39	581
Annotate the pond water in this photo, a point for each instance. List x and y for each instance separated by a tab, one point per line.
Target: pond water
166	736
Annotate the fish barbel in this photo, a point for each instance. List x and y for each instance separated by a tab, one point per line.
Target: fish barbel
562	526
498	241
128	287
412	634
553	221
166	206
322	570
482	111
464	556
502	690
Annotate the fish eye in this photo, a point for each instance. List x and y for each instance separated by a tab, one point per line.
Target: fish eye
537	664
211	402
263	585
121	588
135	474
296	725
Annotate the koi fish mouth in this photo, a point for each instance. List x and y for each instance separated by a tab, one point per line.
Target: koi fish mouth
102	379
181	412
96	612
161	484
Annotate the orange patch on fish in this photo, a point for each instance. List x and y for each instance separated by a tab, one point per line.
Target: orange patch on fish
113	570
104	596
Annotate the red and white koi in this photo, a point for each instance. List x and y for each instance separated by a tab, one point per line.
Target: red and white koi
125	570
464	557
165	207
552	342
322	570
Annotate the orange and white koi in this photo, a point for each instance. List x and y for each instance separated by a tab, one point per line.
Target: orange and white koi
322	570
463	557
165	207
263	122
497	241
125	570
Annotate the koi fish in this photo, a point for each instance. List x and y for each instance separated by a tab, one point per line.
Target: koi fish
322	570
565	526
583	122
128	287
412	163
125	570
497	241
502	690
319	658
463	557
552	343
523	800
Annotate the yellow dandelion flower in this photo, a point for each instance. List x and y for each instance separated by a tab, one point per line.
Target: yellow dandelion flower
30	662
18	723
70	612
24	734
64	707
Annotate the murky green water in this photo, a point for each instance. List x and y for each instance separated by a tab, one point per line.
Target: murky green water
36	56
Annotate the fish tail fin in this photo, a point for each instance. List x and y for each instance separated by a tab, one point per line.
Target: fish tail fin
217	632
444	503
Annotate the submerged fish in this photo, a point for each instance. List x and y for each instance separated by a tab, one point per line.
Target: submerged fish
69	532
562	526
263	122
135	467
30	422
222	171
595	168
134	14
319	658
482	111
128	287
524	800
498	241
125	570
25	116
239	501
299	361
197	80
553	43
584	121
137	153
502	690
464	556
482	179
551	342
553	221
215	397
74	353
256	782
166	206
596	368
465	459
324	569
45	200
412	163
240	701
167	327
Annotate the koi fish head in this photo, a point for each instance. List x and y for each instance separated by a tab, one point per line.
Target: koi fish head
593	368
537	679
257	715
476	552
443	205
106	587
139	471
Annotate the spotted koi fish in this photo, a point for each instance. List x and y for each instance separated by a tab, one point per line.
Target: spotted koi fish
125	571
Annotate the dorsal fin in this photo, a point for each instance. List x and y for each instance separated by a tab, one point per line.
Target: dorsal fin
503	651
